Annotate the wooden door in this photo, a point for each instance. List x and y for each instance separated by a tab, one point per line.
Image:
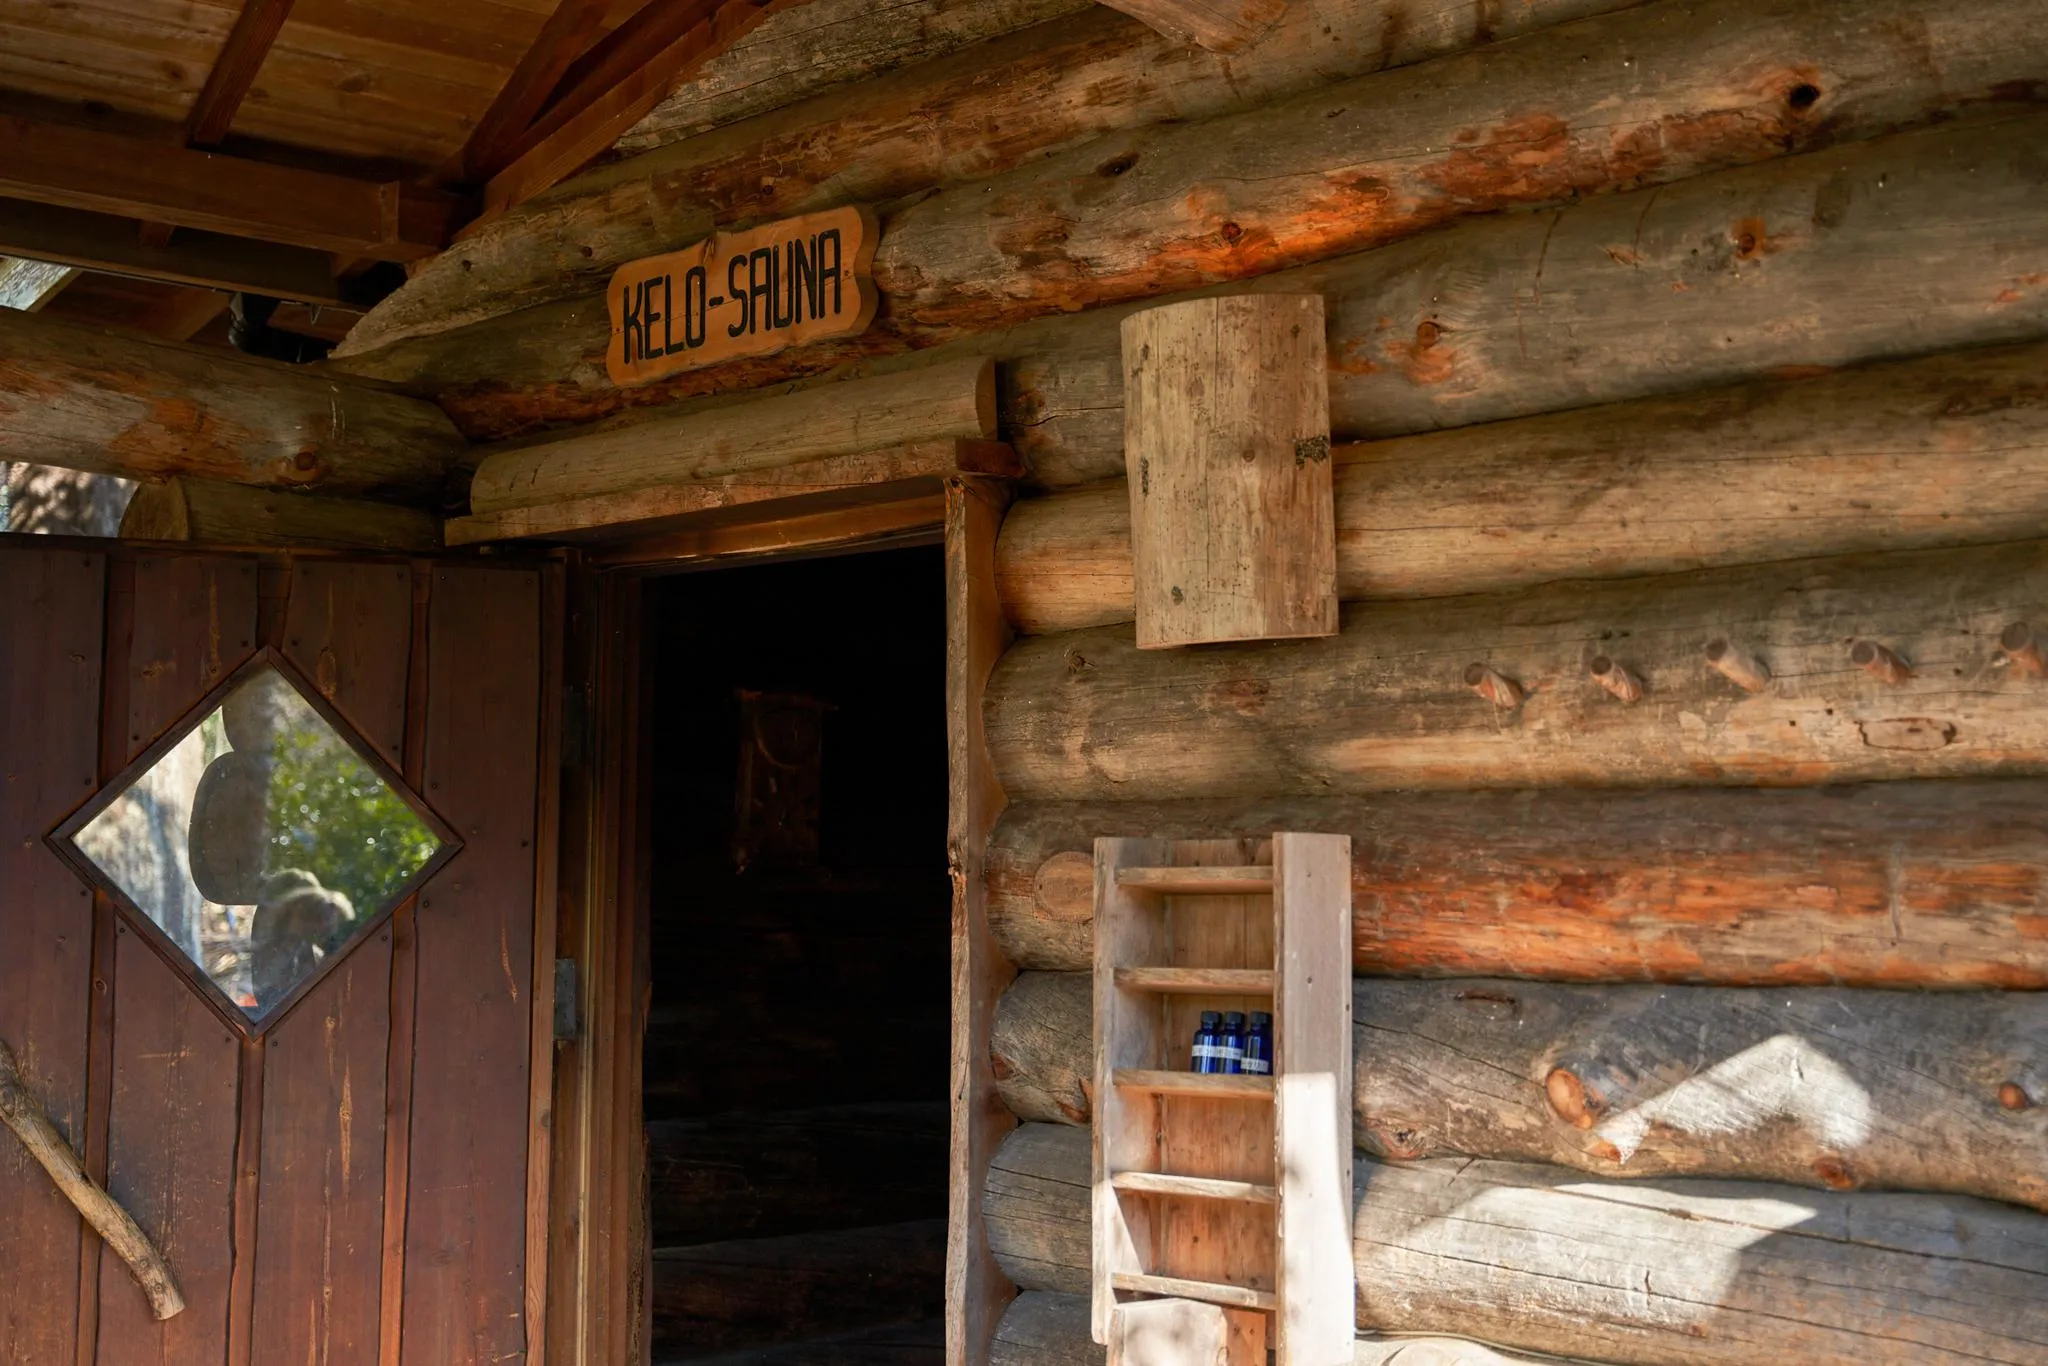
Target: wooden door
349	1180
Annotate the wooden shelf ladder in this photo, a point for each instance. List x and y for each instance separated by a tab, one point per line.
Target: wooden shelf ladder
1222	1203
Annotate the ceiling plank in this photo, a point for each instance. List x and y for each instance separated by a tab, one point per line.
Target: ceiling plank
615	86
566	35
101	242
26	286
234	70
80	168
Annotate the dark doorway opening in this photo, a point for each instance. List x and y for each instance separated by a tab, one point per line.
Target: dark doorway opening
797	1044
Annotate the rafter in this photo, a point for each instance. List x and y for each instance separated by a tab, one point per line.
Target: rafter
234	70
79	168
96	241
565	36
616	83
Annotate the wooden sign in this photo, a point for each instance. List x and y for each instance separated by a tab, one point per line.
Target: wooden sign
742	294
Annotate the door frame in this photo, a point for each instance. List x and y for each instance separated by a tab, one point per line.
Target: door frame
597	1215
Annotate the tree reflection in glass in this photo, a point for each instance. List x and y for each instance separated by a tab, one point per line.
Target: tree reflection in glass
260	843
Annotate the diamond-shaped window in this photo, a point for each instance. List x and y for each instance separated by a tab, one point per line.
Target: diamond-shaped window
258	839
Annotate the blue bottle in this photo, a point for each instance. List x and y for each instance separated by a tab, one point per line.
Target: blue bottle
1208	1054
1258	1045
1232	1041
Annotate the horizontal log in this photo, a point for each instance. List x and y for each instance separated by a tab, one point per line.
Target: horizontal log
893	1344
983	111
1537	1258
1814	1086
954	399
836	481
1946	450
722	1297
1388	704
1044	1328
1905	884
111	402
761	1174
215	513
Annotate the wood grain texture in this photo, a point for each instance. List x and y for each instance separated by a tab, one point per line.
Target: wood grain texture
1539	1259
114	403
975	1289
194	624
954	400
319	1235
1900	884
465	1242
1889	456
234	71
171	1153
212	512
1086	715
210	260
1226	26
1227	441
835	481
348	628
51	618
1826	1087
984	110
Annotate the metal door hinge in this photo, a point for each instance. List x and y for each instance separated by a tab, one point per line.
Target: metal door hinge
568	1010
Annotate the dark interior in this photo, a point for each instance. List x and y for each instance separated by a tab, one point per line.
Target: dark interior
796	1063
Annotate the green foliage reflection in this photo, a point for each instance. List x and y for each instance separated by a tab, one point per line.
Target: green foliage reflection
332	816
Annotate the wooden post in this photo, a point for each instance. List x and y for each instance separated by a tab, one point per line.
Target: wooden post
1227	443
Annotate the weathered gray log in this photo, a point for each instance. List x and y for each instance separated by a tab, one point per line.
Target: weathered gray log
22	1113
119	403
1947	450
953	399
1907	884
217	513
1810	1086
1038	1177
983	111
1818	283
1385	705
1045	1328
1669	1273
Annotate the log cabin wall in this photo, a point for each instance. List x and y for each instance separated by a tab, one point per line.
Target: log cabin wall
795	1066
1702	336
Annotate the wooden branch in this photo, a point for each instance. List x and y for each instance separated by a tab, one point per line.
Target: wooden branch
97	241
210	512
20	1112
599	112
813	485
28	286
567	33
956	400
1815	1086
234	70
114	402
79	168
1383	705
1541	1259
1218	25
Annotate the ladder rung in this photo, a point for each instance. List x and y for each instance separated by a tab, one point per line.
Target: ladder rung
1218	1085
1200	1187
1198	881
1192	981
1236	1296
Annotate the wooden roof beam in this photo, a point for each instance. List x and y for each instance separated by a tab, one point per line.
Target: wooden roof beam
117	402
234	70
567	35
102	242
616	83
80	168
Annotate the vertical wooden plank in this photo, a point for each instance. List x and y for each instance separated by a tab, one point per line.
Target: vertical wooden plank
195	623
346	627
319	1238
50	627
173	1120
976	634
1227	442
1130	931
1312	1020
540	1123
465	1243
